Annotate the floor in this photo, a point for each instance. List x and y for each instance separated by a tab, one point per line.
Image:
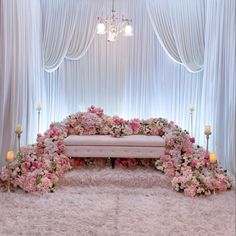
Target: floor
116	202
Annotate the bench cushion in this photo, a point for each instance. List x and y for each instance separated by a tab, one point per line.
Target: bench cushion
138	146
106	140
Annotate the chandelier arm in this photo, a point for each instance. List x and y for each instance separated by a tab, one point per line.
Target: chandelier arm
120	26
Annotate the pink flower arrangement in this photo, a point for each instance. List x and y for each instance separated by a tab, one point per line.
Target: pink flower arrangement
84	123
98	111
194	174
135	125
120	127
39	167
154	126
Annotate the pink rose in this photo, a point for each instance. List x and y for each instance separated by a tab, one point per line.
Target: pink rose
192	140
194	164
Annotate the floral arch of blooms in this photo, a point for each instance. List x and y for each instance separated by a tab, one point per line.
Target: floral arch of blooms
38	167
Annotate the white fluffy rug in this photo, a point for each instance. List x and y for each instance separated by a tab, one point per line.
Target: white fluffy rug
116	202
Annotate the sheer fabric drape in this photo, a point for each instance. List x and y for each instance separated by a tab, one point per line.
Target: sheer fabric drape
180	28
20	71
219	81
133	77
201	36
68	29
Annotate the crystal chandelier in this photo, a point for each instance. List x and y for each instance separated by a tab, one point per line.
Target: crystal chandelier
114	26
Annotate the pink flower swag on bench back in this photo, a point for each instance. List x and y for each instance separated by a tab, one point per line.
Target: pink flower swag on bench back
39	167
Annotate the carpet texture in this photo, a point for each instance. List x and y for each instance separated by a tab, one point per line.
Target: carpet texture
116	202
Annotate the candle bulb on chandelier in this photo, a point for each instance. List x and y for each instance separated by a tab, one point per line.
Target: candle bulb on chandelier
101	28
128	31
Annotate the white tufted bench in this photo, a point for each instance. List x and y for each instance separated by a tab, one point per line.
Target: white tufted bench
133	146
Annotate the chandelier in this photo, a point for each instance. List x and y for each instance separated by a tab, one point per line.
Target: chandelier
114	26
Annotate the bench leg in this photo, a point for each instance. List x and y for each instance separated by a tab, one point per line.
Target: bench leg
113	160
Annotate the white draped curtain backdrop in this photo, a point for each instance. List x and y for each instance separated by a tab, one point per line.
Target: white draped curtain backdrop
20	71
182	51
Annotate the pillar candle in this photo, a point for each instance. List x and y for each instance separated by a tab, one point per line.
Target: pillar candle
10	155
191	107
39	107
207	129
18	129
213	158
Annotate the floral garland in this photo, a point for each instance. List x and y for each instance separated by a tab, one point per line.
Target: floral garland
39	167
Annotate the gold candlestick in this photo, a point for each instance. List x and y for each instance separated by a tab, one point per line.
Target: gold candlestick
207	132
191	109
191	123
213	165
9	178
39	108
19	137
38	120
207	141
18	131
10	157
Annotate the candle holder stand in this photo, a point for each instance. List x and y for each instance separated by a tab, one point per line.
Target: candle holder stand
207	139
213	171
18	140
7	186
9	179
39	111
191	122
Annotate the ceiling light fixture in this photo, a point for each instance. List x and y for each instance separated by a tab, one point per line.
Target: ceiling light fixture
114	26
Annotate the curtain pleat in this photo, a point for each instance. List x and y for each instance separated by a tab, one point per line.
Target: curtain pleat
134	77
68	29
20	71
179	26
